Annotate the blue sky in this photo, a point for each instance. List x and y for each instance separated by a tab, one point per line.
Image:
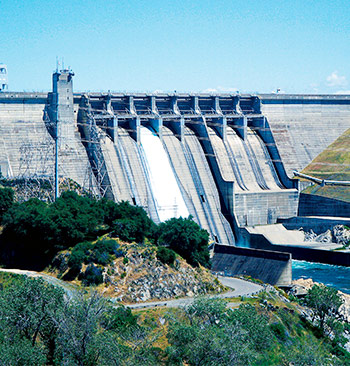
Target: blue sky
149	45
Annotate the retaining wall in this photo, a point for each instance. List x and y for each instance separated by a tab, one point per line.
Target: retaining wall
313	205
268	266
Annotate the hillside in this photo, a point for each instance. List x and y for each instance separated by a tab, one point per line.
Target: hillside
85	329
137	274
333	164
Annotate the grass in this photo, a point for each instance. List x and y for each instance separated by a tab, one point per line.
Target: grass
332	164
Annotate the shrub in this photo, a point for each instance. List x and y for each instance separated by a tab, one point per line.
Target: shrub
92	276
119	319
79	255
129	223
186	238
103	250
279	330
166	255
76	218
6	200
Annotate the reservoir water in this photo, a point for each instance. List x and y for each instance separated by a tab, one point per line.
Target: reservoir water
334	276
168	197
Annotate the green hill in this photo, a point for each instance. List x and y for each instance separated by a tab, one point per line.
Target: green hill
333	164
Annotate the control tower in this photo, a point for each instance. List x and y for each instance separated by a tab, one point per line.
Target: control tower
3	77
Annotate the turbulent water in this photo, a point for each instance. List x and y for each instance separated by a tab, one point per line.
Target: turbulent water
165	188
335	276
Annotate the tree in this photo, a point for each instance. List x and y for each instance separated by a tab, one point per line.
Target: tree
208	335
186	238
129	223
28	310
307	352
27	235
34	231
6	200
78	323
19	351
75	218
324	302
166	255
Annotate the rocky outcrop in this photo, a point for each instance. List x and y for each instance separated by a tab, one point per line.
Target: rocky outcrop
140	276
339	234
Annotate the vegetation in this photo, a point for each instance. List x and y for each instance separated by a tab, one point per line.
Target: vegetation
39	326
324	301
166	256
333	164
35	231
186	238
6	200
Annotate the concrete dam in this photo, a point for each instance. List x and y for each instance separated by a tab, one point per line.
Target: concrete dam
225	159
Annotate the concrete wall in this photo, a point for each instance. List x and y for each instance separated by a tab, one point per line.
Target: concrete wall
339	258
270	267
313	205
317	224
220	146
303	126
259	197
265	207
26	148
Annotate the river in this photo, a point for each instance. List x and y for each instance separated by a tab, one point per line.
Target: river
335	276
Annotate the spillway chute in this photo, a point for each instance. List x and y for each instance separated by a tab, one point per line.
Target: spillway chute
166	191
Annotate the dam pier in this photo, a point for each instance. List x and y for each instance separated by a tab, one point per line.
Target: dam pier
231	157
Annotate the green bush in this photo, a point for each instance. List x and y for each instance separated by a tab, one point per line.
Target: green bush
280	331
119	319
166	255
6	200
78	256
75	218
103	250
186	238
129	223
91	276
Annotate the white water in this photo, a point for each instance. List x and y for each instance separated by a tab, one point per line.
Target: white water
165	189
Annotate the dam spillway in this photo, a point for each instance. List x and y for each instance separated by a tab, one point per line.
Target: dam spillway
165	189
231	155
